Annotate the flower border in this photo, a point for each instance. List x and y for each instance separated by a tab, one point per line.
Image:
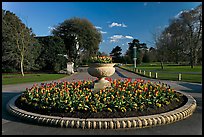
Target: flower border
107	123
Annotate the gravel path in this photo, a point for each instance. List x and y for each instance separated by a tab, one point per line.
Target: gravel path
190	126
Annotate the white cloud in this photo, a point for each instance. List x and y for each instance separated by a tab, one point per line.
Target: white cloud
97	27
115	24
100	28
103	32
129	37
116	38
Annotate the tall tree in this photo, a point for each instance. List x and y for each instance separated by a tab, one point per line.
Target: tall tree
152	54
192	21
162	49
140	48
17	43
116	54
87	35
181	40
175	41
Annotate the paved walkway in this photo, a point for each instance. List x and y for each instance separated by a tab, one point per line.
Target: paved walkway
190	126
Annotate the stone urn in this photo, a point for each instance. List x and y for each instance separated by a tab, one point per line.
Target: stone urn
101	71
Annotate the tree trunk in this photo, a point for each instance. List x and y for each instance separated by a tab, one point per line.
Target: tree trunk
162	66
195	57
191	62
191	58
22	58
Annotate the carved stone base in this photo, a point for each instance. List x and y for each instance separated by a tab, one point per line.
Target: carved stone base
101	84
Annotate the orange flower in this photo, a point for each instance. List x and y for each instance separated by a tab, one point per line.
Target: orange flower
156	93
86	98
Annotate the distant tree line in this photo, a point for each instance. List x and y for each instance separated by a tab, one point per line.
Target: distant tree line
180	42
143	53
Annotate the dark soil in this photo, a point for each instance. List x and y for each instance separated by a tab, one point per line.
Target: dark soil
149	111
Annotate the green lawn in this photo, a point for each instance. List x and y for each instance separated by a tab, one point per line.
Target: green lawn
170	72
18	78
173	68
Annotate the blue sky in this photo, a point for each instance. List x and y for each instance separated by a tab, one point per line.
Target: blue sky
119	22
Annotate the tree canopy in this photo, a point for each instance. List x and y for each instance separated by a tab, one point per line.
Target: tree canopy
140	48
18	44
87	35
116	54
49	58
182	39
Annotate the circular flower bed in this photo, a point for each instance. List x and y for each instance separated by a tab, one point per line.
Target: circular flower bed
125	98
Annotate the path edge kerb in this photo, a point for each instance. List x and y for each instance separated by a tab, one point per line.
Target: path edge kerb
106	123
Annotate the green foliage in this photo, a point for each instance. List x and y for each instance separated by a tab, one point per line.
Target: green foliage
125	95
101	59
48	58
116	54
127	59
146	57
140	49
18	50
87	36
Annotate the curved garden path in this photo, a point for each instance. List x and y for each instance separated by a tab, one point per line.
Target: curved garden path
191	125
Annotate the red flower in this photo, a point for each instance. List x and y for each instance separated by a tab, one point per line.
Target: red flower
138	80
129	79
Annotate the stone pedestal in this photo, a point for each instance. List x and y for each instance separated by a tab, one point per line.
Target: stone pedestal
70	67
101	71
100	84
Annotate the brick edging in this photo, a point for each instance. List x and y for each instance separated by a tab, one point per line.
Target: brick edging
107	123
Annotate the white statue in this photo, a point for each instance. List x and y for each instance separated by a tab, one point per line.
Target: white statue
70	65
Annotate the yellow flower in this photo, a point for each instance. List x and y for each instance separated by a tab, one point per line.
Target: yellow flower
112	97
109	109
104	95
158	104
104	99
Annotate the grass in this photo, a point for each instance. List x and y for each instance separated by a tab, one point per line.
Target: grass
170	72
173	69
18	78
